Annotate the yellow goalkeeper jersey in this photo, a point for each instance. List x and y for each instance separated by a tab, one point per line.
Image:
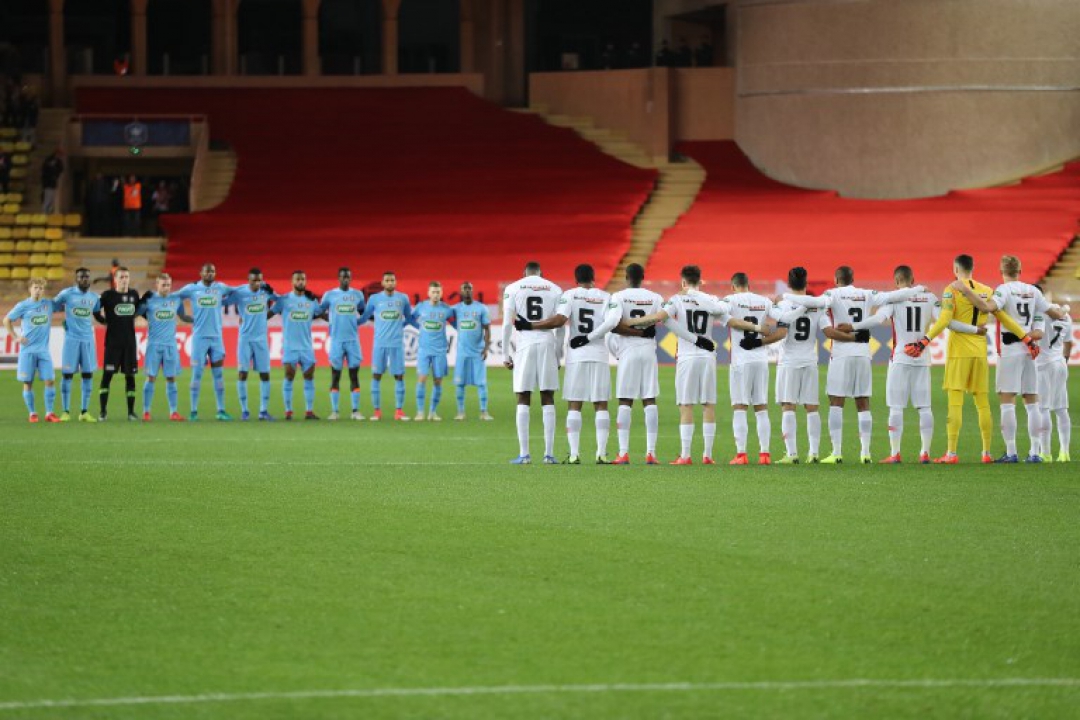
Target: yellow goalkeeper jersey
955	306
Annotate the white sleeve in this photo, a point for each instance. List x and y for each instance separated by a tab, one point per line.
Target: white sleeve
677	327
896	296
508	322
1000	296
564	303
879	318
1041	304
611	320
806	301
786	318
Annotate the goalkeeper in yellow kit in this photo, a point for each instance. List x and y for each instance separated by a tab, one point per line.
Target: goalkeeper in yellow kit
966	367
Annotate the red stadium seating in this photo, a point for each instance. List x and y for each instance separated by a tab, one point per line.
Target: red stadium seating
743	221
433	183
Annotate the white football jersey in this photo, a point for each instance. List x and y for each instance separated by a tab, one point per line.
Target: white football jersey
1024	304
634	303
752	308
910	321
1055	334
800	348
532	298
584	309
696	311
850	304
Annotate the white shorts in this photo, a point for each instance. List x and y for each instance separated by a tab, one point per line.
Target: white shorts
849	377
695	380
749	383
1054	386
798	385
1017	374
587	382
907	383
536	367
636	376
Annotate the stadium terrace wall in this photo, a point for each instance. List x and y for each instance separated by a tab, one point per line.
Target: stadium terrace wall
888	99
474	82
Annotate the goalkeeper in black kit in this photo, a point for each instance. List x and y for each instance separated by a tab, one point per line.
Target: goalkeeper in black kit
117	314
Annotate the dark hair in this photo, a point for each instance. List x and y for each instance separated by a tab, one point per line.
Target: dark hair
635	274
343	269
254	271
740	279
298	272
81	270
904	272
845	275
796	278
122	268
691	274
584	274
532	268
389	272
966	262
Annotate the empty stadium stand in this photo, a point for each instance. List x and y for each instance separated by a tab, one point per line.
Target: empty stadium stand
744	221
434	183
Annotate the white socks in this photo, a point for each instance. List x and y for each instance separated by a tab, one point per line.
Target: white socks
709	430
652	428
603	428
926	428
813	431
686	435
549	430
1064	430
789	427
573	431
764	430
836	430
741	428
1008	427
866	427
622	425
523	429
1034	419
896	430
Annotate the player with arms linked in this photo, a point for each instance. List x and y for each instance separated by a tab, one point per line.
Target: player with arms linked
344	306
161	310
34	315
252	302
473	323
117	314
78	303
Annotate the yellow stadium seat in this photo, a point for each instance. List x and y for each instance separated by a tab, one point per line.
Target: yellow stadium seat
39	219
73	220
10	208
7	220
22	219
15	197
54	259
38	234
6	259
40	245
54	273
37	259
23	147
55	221
8	133
58	246
24	246
54	234
20	233
7	245
5	273
20	259
20	273
18	172
20	159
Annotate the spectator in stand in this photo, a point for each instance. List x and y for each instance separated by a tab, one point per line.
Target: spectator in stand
664	56
684	56
112	275
122	65
161	201
51	170
132	206
5	171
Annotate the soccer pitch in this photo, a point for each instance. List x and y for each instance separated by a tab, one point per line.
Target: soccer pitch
385	570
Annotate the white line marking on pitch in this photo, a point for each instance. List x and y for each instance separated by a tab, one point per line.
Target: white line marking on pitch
765	685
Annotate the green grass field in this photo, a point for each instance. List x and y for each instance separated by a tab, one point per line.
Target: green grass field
362	570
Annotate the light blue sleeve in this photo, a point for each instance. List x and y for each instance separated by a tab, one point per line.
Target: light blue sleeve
97	304
408	307
59	300
485	316
412	317
369	310
324	304
18	311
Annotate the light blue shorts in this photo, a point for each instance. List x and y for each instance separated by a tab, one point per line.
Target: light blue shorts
79	356
35	362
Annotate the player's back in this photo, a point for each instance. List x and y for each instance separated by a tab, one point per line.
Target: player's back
1056	334
695	310
911	320
584	309
752	308
636	303
850	304
533	298
966	344
1025	304
799	348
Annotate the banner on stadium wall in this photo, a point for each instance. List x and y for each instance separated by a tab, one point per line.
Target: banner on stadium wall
880	346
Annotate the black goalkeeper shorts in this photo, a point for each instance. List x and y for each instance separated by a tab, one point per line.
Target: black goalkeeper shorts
122	356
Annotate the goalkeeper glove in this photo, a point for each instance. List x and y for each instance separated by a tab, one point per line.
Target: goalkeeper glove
649	332
749	343
705	343
1008	338
862	336
1032	346
522	324
579	341
915	349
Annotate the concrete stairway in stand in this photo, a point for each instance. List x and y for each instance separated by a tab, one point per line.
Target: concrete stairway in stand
217	179
143	256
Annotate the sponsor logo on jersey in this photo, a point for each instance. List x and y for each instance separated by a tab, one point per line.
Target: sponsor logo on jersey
255	308
124	309
346	309
39	320
208	301
81	312
299	316
390	315
433	325
164	314
467	325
